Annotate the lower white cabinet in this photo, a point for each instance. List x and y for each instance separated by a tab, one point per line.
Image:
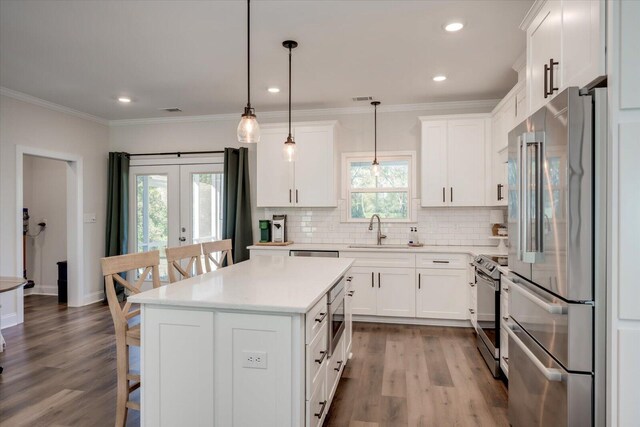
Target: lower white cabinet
473	294
348	315
442	294
383	291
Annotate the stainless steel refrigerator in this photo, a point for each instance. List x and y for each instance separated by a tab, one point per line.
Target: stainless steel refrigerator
557	301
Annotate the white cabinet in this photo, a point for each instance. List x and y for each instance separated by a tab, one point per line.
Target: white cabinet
348	316
565	47
454	150
473	295
383	291
307	182
442	294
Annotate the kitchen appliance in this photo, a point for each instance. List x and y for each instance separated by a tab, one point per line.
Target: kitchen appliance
265	230
335	301
487	281
315	254
556	303
279	228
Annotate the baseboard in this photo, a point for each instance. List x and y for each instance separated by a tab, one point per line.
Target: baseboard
9	320
93	298
42	290
413	321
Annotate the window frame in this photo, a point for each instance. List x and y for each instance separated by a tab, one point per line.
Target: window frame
351	157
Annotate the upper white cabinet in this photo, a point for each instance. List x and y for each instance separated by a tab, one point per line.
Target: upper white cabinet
307	182
565	47
454	151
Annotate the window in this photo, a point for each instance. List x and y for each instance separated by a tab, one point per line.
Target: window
388	195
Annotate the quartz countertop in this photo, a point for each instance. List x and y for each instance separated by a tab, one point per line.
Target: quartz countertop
264	283
344	247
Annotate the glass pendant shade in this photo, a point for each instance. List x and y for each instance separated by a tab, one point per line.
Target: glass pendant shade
289	149
375	168
248	128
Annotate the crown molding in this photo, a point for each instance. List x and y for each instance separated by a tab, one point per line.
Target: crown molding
531	14
50	105
425	107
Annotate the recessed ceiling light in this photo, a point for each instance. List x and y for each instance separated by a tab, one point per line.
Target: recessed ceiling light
124	99
454	26
274	89
439	78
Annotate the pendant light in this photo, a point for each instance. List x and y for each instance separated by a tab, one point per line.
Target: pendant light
290	145
248	128
375	166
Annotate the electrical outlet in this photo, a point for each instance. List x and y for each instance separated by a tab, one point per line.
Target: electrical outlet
254	359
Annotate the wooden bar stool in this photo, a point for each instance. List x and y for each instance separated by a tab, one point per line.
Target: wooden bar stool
179	253
127	335
224	247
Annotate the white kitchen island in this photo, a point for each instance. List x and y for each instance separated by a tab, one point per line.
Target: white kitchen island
246	345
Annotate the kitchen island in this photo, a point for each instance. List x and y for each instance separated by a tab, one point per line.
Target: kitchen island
245	345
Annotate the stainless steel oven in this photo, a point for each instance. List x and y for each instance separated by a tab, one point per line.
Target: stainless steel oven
335	300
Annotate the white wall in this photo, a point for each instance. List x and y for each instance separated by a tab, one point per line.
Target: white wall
397	130
44	194
623	65
27	124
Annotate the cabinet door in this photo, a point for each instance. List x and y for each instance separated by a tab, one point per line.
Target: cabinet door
396	292
274	177
348	315
314	172
543	44
583	43
466	162
442	294
433	165
365	292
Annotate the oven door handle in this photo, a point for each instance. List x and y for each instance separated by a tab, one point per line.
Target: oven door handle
550	374
549	307
483	278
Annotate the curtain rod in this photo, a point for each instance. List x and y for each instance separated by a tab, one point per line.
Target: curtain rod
175	153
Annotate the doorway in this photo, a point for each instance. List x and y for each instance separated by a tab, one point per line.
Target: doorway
174	205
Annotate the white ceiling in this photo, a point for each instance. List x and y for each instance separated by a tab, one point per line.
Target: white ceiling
192	54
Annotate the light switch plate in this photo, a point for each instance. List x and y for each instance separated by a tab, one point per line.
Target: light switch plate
254	359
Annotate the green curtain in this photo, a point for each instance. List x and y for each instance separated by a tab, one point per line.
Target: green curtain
117	232
236	202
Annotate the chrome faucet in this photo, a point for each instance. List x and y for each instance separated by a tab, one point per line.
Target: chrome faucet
380	235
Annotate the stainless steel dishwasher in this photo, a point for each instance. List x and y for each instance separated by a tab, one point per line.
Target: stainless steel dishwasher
321	254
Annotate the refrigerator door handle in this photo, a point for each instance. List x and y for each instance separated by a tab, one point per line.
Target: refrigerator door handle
550	374
547	306
530	253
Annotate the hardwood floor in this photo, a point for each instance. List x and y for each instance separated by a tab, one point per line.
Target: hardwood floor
416	376
60	371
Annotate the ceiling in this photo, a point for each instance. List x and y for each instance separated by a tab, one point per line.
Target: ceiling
192	54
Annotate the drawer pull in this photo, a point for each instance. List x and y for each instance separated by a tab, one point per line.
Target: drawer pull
506	359
339	366
324	405
322	317
437	261
472	311
472	284
349	279
550	374
351	293
419	279
372	279
505	318
547	306
323	355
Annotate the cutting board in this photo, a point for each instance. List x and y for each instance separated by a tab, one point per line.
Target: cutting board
274	243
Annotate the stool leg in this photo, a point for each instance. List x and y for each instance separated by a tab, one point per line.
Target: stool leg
122	395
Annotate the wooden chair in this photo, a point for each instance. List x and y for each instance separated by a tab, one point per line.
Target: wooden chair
127	335
177	254
225	249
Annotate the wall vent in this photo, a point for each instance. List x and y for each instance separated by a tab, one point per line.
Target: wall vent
362	98
172	110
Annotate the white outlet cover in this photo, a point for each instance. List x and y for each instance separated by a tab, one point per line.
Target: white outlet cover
254	359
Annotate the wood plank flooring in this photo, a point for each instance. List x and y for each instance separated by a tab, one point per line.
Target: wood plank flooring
60	371
416	376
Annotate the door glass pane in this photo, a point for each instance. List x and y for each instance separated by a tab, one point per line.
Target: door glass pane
206	208
152	226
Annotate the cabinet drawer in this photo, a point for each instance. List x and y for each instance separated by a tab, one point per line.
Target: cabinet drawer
381	259
317	405
269	252
316	354
334	368
442	261
316	318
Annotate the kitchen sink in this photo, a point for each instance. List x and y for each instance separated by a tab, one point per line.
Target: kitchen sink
379	246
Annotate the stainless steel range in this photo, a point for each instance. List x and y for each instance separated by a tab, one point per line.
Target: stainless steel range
488	309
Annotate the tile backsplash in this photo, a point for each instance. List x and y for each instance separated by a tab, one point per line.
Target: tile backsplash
436	226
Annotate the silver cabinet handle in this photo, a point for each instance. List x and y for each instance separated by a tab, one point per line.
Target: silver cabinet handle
550	374
549	307
322	317
323	354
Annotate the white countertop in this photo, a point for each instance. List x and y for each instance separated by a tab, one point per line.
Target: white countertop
344	247
264	283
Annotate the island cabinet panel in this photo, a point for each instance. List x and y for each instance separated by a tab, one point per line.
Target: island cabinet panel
178	363
348	314
255	396
442	294
316	355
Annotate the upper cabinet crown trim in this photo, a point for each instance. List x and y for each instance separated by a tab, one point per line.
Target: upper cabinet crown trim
455	117
531	14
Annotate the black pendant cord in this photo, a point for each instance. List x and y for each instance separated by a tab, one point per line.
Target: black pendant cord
289	92
375	133
248	53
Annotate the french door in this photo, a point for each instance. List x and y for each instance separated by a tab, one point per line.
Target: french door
174	205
